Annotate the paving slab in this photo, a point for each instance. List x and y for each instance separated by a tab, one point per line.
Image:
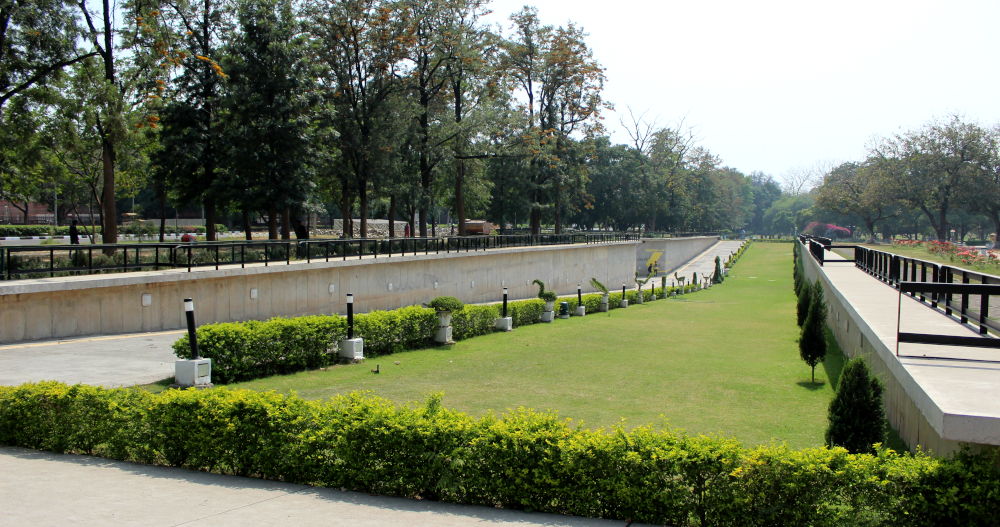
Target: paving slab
43	489
111	361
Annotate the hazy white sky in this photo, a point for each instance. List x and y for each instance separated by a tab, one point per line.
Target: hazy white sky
782	85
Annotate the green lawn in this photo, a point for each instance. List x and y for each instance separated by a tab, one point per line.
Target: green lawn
722	361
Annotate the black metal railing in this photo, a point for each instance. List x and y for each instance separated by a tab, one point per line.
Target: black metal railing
943	285
818	247
21	262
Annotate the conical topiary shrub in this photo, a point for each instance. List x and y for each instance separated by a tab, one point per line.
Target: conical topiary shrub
804	293
812	342
717	276
857	419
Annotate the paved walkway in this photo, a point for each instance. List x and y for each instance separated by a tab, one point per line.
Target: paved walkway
704	263
120	360
958	397
42	489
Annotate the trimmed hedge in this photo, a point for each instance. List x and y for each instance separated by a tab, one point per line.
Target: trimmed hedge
522	459
249	350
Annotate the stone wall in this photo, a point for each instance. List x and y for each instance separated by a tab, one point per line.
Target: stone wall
673	252
110	304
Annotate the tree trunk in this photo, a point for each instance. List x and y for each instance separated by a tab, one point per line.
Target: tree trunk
536	221
286	224
392	216
272	223
210	220
558	206
247	231
363	231
460	195
109	213
347	228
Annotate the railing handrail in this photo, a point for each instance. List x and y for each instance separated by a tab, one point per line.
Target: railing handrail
178	254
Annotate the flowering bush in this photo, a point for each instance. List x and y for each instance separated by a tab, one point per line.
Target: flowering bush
908	243
827	229
943	248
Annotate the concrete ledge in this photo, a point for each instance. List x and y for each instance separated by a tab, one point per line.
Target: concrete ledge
936	404
151	301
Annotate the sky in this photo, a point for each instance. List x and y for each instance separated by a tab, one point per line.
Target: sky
787	86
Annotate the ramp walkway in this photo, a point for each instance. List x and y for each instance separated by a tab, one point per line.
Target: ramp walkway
957	391
704	263
43	489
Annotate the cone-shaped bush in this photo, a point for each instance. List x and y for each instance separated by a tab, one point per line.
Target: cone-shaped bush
802	307
717	277
812	343
857	419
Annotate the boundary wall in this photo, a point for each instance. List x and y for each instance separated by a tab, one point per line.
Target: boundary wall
675	252
152	301
910	409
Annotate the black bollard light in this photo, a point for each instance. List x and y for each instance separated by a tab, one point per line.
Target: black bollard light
350	316
192	335
504	303
579	295
623	291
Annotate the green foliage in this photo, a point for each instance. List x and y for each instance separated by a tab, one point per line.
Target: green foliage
804	293
857	418
599	286
474	321
548	296
717	276
812	342
446	303
521	459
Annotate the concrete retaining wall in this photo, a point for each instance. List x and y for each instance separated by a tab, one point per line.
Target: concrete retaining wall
906	404
110	304
673	252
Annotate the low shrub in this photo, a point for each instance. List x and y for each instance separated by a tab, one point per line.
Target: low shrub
521	459
446	303
474	320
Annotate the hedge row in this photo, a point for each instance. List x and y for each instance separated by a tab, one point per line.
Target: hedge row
522	459
249	350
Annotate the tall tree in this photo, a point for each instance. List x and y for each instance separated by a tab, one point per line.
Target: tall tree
859	190
192	118
38	39
268	104
932	164
363	45
561	85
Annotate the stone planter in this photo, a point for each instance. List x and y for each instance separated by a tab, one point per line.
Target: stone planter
549	314
443	335
603	308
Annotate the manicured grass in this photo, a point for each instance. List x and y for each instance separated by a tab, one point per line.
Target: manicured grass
721	361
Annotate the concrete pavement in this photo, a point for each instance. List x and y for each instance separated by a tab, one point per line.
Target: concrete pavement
111	361
42	489
704	263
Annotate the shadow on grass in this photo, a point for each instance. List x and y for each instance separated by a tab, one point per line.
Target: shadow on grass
158	386
812	386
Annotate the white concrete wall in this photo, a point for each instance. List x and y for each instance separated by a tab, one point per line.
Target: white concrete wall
908	407
675	252
110	304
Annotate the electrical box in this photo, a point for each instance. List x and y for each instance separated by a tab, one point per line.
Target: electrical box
195	372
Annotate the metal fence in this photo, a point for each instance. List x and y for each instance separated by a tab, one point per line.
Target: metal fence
967	296
23	262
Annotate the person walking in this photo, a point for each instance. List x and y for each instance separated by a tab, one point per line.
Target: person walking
74	234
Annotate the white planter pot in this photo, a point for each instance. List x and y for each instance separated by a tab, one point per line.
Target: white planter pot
604	304
444	334
550	306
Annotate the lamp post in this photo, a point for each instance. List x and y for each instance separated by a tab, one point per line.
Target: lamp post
192	334
504	312
350	316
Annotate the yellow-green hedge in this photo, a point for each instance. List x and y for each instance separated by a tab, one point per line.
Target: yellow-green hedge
522	459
